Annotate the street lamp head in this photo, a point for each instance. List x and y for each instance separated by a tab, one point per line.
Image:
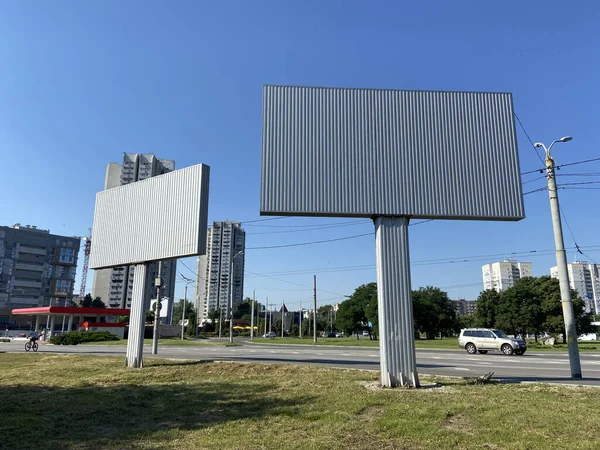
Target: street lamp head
565	139
538	144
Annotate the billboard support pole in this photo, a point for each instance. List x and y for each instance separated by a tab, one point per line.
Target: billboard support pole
137	319
394	294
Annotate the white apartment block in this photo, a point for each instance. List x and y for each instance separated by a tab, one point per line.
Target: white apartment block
217	273
114	286
502	275
584	278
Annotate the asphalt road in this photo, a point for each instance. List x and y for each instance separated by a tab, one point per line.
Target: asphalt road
543	367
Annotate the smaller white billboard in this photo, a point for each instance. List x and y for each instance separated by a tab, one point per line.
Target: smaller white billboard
162	217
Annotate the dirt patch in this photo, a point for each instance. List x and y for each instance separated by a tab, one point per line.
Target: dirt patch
457	422
439	388
370	413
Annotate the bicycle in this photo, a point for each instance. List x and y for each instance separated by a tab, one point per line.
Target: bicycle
31	346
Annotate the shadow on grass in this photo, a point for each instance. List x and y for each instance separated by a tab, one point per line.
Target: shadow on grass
126	415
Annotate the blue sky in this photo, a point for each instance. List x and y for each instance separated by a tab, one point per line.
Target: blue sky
83	82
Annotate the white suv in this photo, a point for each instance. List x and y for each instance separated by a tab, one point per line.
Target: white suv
269	335
482	340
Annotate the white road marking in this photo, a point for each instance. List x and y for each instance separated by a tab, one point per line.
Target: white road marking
462	368
485	363
373	356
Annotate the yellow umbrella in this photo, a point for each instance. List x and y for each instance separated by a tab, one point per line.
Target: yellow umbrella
237	327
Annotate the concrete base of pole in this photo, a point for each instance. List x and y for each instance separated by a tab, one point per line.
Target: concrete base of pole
137	319
396	325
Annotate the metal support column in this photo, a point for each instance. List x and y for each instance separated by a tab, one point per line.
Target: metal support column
52	320
70	325
137	319
37	324
396	324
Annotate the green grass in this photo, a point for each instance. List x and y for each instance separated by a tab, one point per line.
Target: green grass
446	343
176	342
94	402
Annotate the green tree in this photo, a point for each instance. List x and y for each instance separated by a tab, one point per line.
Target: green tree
485	309
189	310
190	330
87	301
519	309
351	314
98	303
149	317
551	307
433	311
242	309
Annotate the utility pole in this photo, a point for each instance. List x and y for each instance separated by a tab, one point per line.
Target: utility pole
266	306
561	262
220	317
231	301
252	316
158	284
282	308
183	310
300	321
315	308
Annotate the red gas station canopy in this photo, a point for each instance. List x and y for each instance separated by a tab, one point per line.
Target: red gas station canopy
71	311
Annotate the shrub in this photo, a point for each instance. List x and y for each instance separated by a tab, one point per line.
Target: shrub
4	340
77	337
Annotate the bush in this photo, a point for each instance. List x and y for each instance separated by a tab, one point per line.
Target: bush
4	340
77	337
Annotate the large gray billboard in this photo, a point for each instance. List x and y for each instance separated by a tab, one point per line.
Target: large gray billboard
159	218
375	152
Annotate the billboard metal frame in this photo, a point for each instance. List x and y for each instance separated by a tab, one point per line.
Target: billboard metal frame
391	156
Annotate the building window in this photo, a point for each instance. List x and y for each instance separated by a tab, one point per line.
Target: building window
66	256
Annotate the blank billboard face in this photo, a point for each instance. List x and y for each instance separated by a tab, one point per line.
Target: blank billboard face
159	218
370	152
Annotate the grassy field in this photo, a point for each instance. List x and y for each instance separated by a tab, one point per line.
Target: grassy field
445	343
87	402
168	341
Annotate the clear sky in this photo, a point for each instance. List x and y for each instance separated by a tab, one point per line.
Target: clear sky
83	82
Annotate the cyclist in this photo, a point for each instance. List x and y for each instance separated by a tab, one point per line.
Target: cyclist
34	336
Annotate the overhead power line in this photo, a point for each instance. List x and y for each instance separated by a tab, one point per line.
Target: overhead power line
530	141
299	244
577	162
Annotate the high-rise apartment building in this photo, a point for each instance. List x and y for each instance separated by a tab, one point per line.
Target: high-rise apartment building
465	307
584	278
114	286
36	269
502	275
225	240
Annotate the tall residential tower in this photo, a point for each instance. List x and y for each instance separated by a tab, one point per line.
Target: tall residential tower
225	240
114	286
36	269
584	278
502	275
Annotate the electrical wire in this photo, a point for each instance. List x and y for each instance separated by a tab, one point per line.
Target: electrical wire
330	224
530	141
577	162
536	190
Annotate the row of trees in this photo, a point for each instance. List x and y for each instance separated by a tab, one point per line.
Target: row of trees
531	306
433	312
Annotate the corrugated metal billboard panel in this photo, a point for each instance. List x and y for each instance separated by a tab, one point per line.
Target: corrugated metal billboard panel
370	152
162	217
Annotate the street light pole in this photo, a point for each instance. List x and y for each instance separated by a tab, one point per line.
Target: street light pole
158	284
561	262
231	294
187	282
